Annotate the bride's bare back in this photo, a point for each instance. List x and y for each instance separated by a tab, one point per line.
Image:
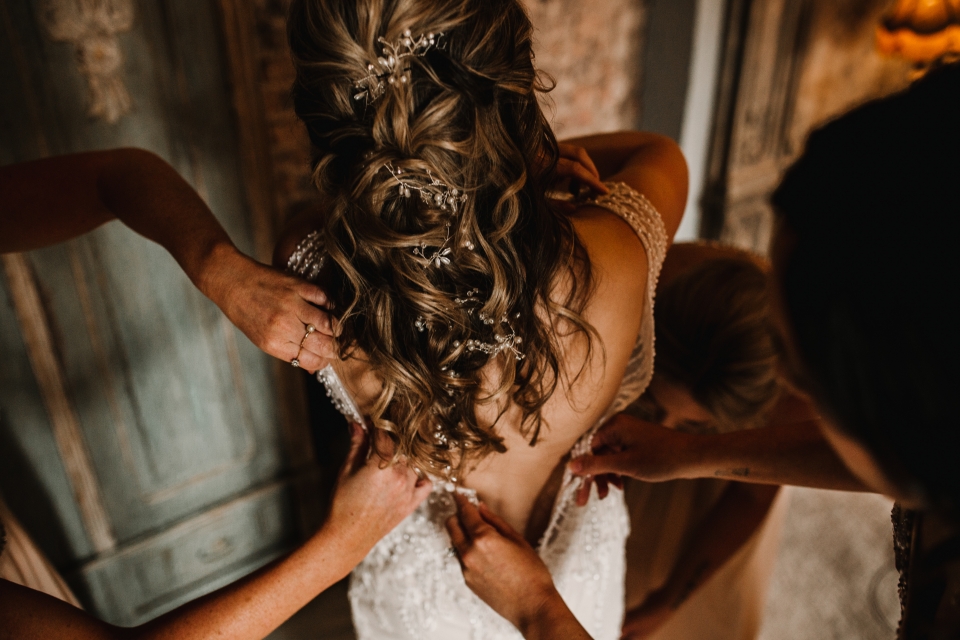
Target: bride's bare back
511	482
516	483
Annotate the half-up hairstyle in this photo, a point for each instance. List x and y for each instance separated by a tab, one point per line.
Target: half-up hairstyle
462	114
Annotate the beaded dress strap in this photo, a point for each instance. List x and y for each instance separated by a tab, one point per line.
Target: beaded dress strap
306	261
309	257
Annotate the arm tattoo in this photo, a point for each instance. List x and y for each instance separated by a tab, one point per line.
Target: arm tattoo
740	472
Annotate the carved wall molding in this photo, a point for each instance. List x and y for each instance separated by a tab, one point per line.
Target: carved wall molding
91	26
35	329
788	66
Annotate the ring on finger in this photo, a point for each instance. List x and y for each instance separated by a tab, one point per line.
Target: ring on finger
310	329
296	361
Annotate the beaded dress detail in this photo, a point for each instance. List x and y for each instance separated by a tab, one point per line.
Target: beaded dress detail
411	587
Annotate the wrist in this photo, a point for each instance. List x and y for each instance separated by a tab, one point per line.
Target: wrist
698	456
212	263
545	613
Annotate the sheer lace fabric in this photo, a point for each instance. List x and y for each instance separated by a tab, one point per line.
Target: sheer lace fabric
411	587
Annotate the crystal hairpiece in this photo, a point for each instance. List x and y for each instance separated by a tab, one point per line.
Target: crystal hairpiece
391	66
435	193
502	341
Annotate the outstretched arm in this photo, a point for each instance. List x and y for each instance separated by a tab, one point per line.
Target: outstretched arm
368	503
790	454
48	201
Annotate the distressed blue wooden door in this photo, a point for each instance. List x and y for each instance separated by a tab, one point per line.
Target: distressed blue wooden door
142	441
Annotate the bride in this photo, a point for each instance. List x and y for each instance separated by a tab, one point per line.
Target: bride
486	328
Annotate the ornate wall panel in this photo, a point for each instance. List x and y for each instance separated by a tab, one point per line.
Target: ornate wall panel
790	65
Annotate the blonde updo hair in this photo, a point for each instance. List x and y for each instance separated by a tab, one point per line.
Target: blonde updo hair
467	116
716	339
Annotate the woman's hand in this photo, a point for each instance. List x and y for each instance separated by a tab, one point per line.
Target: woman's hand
269	307
643	621
628	446
575	171
372	496
506	573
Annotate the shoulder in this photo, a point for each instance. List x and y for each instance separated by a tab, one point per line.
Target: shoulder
617	257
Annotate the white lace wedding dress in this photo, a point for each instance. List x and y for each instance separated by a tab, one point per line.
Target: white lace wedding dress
411	587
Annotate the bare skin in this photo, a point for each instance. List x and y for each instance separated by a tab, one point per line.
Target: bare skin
48	201
506	573
370	499
789	450
511	483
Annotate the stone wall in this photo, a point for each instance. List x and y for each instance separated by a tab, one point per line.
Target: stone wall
594	52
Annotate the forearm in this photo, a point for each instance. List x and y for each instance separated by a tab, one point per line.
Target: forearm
149	196
729	525
248	609
553	621
611	152
794	454
253	607
48	201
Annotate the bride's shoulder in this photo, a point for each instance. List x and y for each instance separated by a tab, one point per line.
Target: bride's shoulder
618	259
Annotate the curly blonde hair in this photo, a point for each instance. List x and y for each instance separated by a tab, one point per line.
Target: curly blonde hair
467	115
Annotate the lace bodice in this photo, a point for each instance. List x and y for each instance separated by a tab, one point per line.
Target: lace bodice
410	586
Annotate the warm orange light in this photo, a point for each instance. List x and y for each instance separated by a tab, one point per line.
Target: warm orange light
923	31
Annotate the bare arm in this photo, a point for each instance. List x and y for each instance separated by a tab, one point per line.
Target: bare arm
650	163
368	503
790	454
727	527
48	201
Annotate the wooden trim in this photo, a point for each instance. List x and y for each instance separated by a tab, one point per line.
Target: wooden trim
35	328
243	62
242	57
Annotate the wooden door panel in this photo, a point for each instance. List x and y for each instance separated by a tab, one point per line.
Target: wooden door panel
137	426
35	483
164	571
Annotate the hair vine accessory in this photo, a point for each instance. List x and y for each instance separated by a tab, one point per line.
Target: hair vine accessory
391	65
502	341
440	257
435	193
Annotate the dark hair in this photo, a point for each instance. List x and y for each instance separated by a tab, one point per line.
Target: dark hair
870	285
715	338
468	115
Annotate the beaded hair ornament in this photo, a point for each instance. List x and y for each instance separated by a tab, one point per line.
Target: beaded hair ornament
393	66
436	193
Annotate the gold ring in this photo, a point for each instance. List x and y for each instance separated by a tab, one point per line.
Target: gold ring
310	329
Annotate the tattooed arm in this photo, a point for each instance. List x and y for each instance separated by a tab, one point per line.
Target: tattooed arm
790	450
